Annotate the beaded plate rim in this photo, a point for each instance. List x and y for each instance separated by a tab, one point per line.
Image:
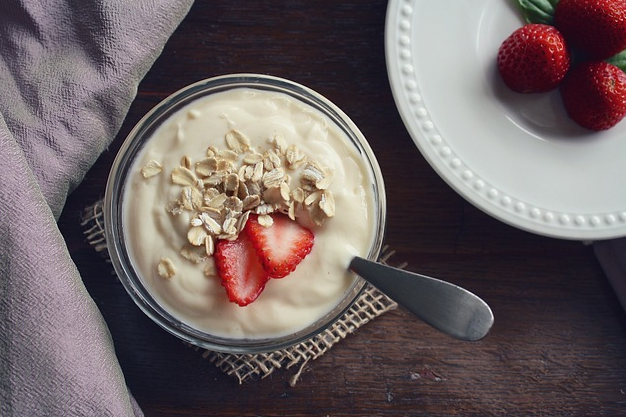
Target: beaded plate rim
440	151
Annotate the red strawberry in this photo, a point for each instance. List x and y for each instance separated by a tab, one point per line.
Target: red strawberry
594	95
533	59
597	27
281	246
239	268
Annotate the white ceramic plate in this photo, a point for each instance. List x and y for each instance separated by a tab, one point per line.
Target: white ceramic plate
517	157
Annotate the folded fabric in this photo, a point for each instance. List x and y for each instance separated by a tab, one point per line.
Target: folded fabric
69	71
612	257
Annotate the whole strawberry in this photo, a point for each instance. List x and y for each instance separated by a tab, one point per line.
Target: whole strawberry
533	59
597	27
594	95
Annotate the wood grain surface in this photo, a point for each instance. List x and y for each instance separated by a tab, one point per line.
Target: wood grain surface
558	346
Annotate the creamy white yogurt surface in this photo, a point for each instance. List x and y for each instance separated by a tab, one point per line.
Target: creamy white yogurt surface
286	305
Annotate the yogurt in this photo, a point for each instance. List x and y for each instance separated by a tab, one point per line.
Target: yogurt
194	294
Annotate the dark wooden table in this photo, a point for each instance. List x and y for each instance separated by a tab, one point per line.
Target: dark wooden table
558	346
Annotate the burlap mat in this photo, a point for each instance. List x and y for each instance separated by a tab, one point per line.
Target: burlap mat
371	304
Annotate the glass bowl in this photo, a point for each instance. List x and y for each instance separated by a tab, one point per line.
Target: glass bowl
118	233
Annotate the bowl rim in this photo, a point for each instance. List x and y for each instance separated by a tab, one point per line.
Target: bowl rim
132	145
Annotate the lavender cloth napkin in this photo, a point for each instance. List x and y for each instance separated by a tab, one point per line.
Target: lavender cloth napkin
69	70
612	257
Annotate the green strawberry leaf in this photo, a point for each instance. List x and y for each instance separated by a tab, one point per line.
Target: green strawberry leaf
619	60
538	11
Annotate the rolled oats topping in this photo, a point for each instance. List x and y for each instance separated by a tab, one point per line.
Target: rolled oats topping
166	268
186	162
195	254
183	176
237	141
224	186
151	169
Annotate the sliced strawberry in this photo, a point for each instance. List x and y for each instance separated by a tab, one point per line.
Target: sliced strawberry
241	273
281	246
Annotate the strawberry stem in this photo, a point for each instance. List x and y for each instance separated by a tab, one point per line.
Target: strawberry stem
538	11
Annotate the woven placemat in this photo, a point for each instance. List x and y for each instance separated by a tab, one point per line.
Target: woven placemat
371	304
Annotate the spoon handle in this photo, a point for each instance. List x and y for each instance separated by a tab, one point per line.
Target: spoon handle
445	306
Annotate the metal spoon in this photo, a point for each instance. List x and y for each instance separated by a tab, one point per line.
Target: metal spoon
445	306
